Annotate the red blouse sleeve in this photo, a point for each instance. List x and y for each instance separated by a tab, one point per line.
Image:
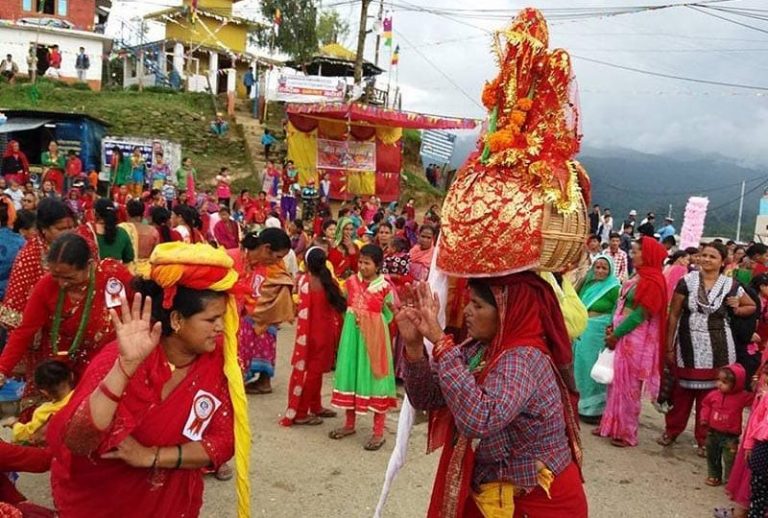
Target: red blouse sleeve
36	314
219	439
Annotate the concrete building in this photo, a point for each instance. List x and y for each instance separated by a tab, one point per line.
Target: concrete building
19	40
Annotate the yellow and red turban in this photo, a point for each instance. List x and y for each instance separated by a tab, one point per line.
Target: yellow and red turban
202	267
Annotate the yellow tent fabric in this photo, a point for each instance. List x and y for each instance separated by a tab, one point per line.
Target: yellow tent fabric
361	183
302	149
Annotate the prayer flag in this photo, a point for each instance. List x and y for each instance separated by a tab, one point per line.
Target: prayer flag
387	33
396	56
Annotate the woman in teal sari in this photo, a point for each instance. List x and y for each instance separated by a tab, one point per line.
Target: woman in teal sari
599	294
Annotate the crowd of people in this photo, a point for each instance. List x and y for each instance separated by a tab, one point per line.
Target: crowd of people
111	303
118	311
688	330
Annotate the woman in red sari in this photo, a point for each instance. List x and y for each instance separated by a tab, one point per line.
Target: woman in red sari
421	254
69	308
321	306
162	402
502	387
53	219
343	252
15	163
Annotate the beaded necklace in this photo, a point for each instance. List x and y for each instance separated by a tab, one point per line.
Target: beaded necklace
83	319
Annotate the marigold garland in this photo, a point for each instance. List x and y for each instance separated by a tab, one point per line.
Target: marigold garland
524	104
490	93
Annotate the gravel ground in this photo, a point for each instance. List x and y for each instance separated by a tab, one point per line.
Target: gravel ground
297	471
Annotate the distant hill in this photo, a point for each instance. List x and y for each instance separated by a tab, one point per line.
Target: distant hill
624	179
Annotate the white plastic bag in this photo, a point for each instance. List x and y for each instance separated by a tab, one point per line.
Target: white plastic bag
602	371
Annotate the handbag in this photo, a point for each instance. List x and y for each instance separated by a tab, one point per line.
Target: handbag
602	370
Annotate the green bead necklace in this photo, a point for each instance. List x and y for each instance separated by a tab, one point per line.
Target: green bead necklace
83	319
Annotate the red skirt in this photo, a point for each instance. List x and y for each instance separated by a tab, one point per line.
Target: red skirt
566	500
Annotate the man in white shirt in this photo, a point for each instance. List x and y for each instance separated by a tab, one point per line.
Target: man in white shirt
15	193
9	69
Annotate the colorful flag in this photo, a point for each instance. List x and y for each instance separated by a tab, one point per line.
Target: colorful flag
396	56
387	32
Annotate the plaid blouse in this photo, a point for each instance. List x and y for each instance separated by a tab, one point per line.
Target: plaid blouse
517	414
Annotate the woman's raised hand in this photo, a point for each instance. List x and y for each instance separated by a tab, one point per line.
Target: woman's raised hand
406	317
428	308
136	336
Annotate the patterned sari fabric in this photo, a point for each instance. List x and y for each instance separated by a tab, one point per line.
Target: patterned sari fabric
636	371
153	421
31	342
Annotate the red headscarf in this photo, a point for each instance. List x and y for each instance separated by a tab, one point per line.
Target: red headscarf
651	291
19	155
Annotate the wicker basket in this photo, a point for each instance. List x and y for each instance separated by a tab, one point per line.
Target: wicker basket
563	236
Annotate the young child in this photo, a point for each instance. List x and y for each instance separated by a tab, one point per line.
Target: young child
54	380
74	202
223	187
138	172
721	411
365	374
73	169
321	306
169	192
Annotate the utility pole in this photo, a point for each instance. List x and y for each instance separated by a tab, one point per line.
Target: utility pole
361	41
378	33
741	211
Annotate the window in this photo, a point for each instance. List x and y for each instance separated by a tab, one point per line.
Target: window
26	5
45	7
63	7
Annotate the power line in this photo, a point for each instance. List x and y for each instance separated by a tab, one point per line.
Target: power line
737	198
671	76
705	11
440	71
680	193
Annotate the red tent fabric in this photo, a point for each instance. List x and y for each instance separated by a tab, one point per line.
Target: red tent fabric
361	114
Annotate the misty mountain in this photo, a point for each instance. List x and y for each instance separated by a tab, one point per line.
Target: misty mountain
624	179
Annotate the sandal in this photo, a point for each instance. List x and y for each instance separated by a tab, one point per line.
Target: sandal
596	432
620	443
224	472
255	389
374	443
713	482
665	440
308	421
701	451
340	433
327	413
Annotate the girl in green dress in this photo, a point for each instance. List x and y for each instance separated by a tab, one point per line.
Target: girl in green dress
365	377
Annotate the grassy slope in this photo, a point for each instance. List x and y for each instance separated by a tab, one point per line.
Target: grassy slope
179	117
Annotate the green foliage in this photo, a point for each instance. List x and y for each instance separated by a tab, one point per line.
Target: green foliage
297	36
331	28
180	117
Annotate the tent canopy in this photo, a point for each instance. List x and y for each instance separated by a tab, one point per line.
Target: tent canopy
22	124
334	60
365	115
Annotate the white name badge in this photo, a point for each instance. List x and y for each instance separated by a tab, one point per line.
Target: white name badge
113	292
204	406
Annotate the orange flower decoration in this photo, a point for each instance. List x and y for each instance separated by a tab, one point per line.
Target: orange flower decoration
517	118
490	94
524	104
502	139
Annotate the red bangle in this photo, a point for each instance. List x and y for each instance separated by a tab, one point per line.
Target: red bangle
110	395
442	346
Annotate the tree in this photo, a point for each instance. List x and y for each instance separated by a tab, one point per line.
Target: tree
297	35
331	28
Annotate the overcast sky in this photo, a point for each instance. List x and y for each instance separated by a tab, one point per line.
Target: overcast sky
619	108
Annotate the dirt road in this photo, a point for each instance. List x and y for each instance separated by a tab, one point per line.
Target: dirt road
299	471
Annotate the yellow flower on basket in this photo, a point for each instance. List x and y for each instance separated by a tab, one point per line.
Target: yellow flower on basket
524	104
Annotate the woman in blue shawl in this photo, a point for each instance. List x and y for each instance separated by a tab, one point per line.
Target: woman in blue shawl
599	294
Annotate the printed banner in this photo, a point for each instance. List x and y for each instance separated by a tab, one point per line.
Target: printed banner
310	89
349	155
171	151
